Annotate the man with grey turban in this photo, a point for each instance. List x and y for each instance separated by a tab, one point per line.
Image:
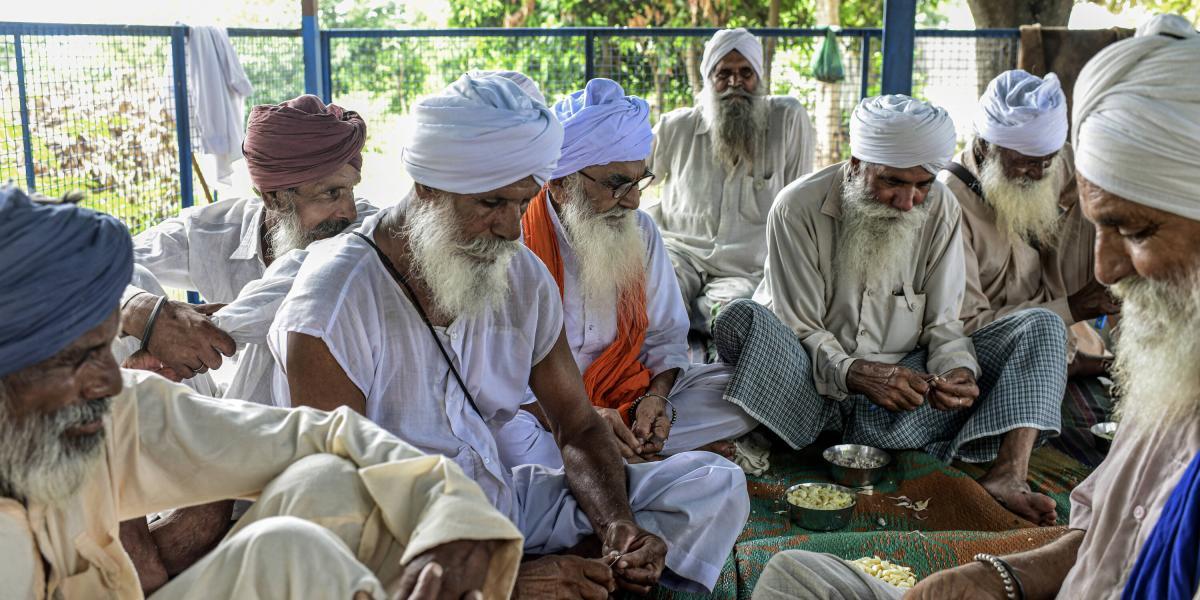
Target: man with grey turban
856	324
1133	532
721	163
344	509
436	320
1027	244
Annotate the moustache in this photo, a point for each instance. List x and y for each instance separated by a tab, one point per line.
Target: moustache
329	228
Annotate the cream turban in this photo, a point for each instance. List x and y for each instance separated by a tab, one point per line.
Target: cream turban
481	134
1137	122
727	40
1172	25
522	80
1024	113
901	132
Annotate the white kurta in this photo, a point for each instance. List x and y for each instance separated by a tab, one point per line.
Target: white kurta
704	415
216	250
345	296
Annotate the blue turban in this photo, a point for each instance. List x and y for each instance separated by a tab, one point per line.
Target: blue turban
62	272
602	125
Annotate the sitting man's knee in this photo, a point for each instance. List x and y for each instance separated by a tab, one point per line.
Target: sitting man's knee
738	314
1042	322
277	536
320	470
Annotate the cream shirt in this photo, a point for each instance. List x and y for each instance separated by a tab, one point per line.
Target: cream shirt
166	446
838	319
1005	275
714	217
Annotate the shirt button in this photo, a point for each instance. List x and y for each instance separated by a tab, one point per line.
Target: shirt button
1139	513
487	461
862	333
868	293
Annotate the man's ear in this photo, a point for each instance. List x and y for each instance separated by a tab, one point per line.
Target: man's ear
422	191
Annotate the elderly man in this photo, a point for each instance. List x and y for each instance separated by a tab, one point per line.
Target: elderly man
343	510
1026	241
722	163
858	326
1133	527
625	321
436	320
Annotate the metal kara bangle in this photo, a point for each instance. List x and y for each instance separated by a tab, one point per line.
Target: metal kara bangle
633	407
1012	585
150	322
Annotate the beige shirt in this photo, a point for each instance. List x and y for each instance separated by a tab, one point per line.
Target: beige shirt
166	446
1119	504
839	319
717	218
1006	274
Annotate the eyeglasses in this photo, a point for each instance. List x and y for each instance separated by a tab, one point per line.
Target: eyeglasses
622	190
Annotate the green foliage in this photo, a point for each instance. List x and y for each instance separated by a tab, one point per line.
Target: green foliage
1190	9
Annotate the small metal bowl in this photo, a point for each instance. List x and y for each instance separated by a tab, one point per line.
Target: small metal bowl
1104	433
841	455
820	520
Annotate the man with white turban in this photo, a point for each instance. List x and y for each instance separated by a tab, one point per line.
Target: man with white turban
722	162
344	509
625	321
1027	244
435	320
1133	530
855	327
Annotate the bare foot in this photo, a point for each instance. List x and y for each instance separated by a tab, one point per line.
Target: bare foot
724	448
1015	495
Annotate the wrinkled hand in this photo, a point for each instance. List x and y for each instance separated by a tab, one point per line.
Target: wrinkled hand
560	577
452	571
651	425
1092	301
183	338
891	387
639	555
955	390
144	361
629	445
974	581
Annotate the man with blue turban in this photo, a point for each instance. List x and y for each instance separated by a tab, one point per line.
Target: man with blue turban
344	509
1027	244
436	320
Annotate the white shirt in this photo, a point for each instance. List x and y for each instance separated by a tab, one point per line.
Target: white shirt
346	297
718	219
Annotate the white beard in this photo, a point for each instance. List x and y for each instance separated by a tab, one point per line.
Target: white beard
287	233
1025	209
607	245
38	463
1157	365
735	126
463	278
875	240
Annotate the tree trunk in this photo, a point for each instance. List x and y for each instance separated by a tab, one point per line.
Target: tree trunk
769	46
993	56
692	56
827	118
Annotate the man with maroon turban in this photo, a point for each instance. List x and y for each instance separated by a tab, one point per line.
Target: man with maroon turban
304	159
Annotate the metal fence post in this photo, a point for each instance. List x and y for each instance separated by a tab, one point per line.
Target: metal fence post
22	99
326	66
183	126
310	32
899	32
864	67
589	50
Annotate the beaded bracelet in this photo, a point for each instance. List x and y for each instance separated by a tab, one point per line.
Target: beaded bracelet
1013	590
633	407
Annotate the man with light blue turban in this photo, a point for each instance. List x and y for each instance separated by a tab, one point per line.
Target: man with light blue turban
856	325
436	320
344	509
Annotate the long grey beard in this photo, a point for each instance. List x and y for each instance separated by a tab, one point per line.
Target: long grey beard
1157	366
737	125
464	278
608	245
1025	209
876	240
41	465
287	233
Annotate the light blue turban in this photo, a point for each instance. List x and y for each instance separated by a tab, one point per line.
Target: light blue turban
62	272
481	134
602	125
1023	112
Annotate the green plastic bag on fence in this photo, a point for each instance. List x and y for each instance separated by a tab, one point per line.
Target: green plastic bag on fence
827	63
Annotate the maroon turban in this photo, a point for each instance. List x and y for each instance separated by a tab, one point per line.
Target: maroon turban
301	140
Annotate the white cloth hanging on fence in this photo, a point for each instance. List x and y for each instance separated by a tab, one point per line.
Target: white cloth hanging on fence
219	87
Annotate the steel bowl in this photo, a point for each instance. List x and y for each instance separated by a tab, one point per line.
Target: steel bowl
840	456
1104	433
816	519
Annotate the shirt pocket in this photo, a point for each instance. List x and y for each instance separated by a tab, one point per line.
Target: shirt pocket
756	199
901	319
102	567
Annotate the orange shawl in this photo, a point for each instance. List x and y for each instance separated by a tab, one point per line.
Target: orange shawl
616	378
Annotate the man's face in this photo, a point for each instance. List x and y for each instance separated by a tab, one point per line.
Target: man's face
901	189
1136	240
733	71
600	184
1019	167
493	215
323	207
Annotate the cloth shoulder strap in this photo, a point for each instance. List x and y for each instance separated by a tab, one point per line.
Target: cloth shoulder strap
966	177
412	298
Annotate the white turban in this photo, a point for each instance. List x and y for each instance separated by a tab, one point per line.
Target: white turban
901	132
481	134
602	125
522	80
1173	25
1137	122
1023	112
727	40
